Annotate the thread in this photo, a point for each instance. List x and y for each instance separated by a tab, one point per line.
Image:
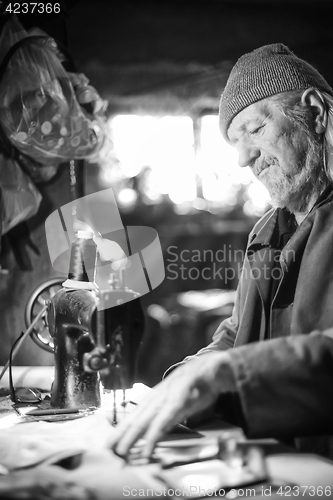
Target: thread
83	258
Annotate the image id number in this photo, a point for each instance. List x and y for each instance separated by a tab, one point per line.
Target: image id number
299	491
33	7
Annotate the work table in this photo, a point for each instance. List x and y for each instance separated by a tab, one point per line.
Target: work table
72	459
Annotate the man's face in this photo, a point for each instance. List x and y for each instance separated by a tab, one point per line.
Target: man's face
276	151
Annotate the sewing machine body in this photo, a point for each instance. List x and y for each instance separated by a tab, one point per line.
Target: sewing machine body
95	340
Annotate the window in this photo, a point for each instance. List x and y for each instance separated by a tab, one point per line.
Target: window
158	158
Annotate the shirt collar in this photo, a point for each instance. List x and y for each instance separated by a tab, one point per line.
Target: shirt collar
263	237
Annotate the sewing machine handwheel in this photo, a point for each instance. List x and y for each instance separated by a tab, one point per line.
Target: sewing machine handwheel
40	334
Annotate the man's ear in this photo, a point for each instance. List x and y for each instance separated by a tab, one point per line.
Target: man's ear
313	99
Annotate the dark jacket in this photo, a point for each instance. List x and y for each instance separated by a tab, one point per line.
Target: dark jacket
285	383
304	299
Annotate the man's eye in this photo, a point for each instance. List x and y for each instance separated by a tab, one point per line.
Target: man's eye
256	130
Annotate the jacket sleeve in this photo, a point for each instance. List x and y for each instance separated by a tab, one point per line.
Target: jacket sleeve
285	385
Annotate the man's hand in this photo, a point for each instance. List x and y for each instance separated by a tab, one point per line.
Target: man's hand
190	388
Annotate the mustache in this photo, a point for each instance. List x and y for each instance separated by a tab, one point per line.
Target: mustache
261	165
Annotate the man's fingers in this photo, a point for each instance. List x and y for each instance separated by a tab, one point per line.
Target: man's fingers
157	429
182	394
123	445
133	428
156	414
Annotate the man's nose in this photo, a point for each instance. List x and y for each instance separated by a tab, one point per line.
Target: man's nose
247	155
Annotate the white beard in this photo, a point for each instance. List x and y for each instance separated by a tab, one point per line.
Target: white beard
295	192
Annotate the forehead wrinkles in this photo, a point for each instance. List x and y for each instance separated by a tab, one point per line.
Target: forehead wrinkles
254	114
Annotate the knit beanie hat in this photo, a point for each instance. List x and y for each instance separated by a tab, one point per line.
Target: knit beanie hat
265	72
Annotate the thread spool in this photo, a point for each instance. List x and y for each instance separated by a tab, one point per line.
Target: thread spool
82	266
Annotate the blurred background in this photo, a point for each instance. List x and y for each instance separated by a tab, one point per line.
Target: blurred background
162	65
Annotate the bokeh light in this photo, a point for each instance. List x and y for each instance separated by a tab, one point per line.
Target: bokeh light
154	157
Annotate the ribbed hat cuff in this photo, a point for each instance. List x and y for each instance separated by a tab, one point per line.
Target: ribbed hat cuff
245	99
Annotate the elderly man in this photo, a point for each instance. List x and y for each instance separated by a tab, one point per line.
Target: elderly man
276	110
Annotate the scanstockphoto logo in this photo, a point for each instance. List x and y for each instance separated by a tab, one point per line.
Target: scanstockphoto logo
225	264
132	253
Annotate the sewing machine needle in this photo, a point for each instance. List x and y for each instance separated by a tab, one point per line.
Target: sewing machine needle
114	421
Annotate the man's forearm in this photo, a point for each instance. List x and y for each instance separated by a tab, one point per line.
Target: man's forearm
285	385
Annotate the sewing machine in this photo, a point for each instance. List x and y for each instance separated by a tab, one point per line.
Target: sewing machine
96	335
